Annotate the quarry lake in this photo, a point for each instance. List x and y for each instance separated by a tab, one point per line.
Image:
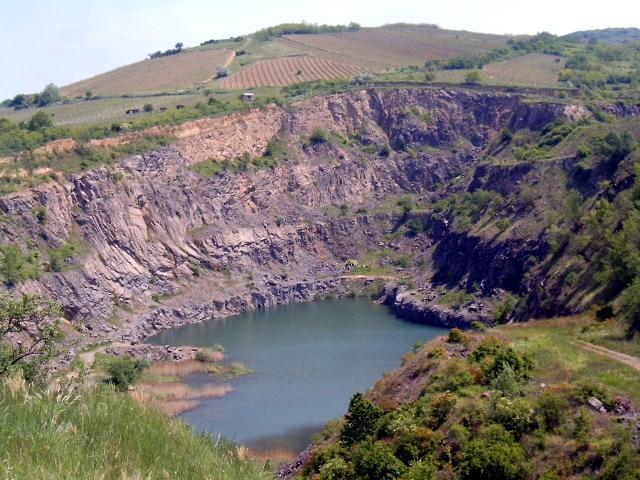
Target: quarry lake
307	359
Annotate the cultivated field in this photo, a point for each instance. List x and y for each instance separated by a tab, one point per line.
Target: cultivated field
103	109
289	70
395	46
155	75
533	69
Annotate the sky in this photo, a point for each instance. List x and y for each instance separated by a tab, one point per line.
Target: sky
62	41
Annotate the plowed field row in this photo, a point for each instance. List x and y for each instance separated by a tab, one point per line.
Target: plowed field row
289	70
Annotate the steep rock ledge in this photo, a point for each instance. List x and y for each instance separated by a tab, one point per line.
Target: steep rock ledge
152	228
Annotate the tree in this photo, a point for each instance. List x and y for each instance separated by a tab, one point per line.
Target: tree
39	121
179	46
473	78
19	101
221	71
631	307
147	107
360	420
50	94
29	333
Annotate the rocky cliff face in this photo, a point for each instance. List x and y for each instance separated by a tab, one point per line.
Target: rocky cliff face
151	230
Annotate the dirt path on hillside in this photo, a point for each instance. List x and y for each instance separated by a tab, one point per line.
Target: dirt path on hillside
633	362
372	277
87	358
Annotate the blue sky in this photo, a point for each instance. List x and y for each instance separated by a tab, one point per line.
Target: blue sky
43	41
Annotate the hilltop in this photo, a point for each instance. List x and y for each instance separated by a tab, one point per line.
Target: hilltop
294	59
606	35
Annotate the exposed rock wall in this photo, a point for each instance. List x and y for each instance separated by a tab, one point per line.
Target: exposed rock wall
151	229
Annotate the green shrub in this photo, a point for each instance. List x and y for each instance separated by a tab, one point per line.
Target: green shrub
452	378
59	256
440	406
124	371
503	311
16	266
336	468
421	470
360	420
552	409
473	78
507	382
615	146
375	461
147	107
494	455
502	224
325	453
414	226
317	137
493	355
505	136
40	121
514	415
41	215
432	410
406	203
630	307
457	336
479	326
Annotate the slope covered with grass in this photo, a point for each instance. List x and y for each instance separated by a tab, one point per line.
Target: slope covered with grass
519	402
103	434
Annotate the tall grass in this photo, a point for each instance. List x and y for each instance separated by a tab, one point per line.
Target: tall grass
103	434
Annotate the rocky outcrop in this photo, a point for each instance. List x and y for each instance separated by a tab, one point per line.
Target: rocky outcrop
408	306
148	229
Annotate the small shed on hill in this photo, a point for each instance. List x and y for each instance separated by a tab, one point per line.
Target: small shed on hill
248	97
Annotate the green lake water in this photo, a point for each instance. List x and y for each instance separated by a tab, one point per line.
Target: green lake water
308	359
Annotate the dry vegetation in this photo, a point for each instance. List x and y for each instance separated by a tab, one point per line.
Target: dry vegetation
533	69
289	70
154	75
174	398
395	46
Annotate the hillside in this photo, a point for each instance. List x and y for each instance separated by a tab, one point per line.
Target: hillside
396	46
89	435
345	53
516	403
280	66
607	35
155	75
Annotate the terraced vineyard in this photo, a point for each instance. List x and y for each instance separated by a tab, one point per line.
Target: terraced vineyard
289	70
395	46
155	75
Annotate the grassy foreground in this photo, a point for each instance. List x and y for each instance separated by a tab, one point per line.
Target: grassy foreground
106	435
